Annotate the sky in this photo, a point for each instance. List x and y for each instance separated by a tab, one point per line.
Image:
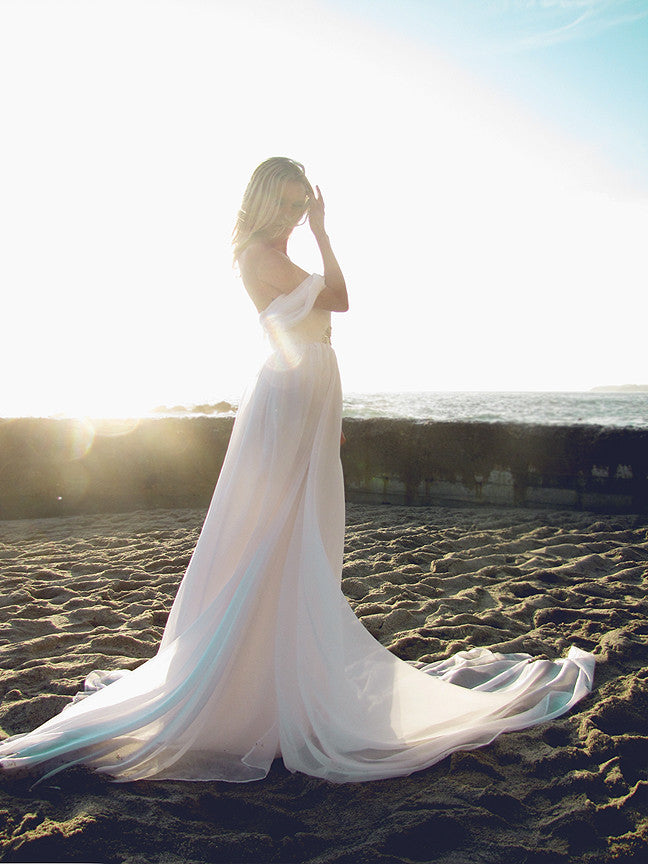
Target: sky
484	167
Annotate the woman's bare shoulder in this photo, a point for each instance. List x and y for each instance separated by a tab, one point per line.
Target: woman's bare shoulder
260	264
259	259
263	273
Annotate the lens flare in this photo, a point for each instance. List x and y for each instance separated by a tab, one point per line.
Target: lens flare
73	483
79	438
112	428
288	349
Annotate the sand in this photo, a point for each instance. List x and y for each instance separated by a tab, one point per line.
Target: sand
86	592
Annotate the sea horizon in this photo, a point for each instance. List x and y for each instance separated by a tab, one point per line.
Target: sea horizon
622	406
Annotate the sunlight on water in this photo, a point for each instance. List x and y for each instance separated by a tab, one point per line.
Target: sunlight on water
606	409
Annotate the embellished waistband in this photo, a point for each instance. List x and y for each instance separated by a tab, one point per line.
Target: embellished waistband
293	341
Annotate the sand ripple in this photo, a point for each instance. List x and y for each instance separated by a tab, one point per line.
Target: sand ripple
91	592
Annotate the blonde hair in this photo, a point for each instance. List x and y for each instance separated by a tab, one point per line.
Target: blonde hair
262	199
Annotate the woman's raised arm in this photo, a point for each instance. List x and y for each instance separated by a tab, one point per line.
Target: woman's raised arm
334	296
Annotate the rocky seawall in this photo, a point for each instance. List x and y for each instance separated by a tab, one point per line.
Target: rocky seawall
64	467
579	467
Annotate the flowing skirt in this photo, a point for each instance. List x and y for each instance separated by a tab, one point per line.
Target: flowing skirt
262	655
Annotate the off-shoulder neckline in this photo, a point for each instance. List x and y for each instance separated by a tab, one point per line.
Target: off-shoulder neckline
286	294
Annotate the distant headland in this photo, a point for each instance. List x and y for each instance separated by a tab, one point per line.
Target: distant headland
620	388
207	408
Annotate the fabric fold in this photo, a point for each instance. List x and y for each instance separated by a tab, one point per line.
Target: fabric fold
262	655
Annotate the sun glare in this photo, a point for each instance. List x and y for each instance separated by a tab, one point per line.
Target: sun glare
479	247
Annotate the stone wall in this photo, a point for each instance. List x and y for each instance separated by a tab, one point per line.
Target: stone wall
580	467
58	467
51	467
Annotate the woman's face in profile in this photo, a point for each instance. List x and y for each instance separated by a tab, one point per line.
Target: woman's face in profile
292	205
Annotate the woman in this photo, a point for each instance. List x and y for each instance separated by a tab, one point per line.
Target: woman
261	655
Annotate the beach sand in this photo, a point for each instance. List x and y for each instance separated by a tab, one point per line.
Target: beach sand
86	592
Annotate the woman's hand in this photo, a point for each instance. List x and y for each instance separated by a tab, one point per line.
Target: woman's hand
316	214
334	296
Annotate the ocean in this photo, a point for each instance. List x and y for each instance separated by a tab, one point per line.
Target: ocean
617	409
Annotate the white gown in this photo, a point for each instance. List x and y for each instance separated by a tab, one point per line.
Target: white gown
262	655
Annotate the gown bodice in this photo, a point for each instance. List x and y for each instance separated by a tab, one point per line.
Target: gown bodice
316	327
292	321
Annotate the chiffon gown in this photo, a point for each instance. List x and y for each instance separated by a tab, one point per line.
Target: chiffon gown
262	656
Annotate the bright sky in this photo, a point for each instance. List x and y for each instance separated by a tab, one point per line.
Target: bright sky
484	164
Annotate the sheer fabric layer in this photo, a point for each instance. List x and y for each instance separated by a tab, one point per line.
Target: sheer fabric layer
261	655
